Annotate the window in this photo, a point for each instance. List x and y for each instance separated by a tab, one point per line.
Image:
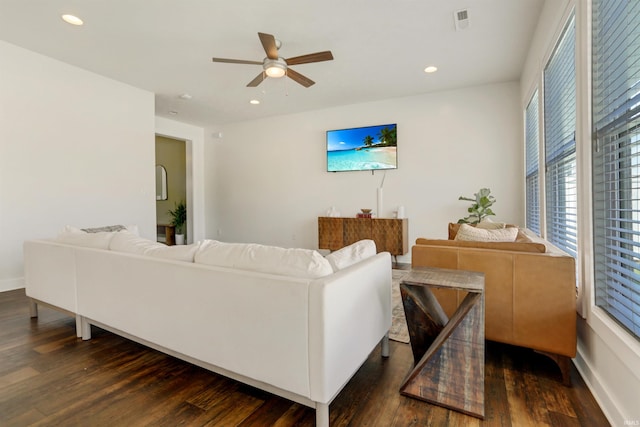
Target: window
616	159
532	145
560	145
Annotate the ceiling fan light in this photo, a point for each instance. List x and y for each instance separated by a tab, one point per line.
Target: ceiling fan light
72	19
275	69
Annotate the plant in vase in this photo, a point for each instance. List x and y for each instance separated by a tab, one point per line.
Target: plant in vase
480	208
178	220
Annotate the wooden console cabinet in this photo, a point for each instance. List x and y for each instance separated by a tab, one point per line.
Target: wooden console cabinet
390	234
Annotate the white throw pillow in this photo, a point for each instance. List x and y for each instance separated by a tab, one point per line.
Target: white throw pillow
349	255
474	234
488	224
295	262
99	240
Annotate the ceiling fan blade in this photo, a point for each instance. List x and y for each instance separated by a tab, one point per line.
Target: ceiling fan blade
255	82
303	80
269	45
312	57
236	61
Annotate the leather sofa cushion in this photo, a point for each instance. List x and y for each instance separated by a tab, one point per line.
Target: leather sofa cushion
508	246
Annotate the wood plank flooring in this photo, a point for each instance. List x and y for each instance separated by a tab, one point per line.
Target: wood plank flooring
49	377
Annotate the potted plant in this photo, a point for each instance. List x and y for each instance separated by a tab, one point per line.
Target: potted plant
178	220
480	208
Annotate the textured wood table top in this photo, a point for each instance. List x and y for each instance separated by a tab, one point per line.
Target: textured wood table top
471	281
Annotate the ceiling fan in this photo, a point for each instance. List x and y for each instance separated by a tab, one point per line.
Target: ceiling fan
276	66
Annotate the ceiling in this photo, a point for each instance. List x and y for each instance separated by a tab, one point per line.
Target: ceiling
381	48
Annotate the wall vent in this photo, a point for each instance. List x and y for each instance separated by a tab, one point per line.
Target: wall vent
461	19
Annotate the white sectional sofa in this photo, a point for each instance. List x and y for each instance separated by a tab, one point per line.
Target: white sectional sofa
288	321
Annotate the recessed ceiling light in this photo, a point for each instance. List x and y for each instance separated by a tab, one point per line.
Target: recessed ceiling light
254	102
173	112
73	20
185	96
431	69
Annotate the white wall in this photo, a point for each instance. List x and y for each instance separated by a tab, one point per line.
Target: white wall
271	184
75	148
608	357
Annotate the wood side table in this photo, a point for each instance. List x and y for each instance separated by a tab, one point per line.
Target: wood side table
169	233
448	353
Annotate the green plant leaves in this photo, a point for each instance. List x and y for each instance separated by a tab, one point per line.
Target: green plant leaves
178	216
480	208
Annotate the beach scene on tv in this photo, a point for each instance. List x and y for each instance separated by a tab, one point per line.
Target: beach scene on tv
365	148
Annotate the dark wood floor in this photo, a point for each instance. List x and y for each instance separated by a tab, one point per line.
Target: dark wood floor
49	377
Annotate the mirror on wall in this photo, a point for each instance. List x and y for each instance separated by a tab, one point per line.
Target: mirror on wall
161	183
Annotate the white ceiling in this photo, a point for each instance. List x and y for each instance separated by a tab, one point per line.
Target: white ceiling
381	48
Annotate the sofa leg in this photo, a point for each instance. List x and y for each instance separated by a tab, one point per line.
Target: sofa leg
85	326
33	308
322	415
564	363
384	344
78	326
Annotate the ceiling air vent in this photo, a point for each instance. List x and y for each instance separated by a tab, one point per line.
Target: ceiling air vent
461	18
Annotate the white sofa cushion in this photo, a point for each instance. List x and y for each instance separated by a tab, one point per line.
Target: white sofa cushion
124	241
349	255
177	252
296	262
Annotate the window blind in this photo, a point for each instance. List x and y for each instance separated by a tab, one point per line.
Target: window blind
616	159
532	146
560	145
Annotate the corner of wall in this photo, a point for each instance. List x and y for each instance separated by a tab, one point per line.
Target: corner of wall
11	284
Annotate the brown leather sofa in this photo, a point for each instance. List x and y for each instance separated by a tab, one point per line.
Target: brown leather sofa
530	291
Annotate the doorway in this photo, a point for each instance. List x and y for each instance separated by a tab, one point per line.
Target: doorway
171	183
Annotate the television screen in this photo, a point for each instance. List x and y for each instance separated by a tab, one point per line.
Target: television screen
364	148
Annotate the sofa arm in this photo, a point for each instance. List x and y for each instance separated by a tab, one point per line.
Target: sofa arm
349	313
49	273
544	303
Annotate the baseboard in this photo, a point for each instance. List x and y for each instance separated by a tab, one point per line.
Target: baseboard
11	284
598	389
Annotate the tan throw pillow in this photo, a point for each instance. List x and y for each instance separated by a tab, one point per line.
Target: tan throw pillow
473	234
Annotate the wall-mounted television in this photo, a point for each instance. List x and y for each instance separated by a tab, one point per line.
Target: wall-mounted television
362	149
